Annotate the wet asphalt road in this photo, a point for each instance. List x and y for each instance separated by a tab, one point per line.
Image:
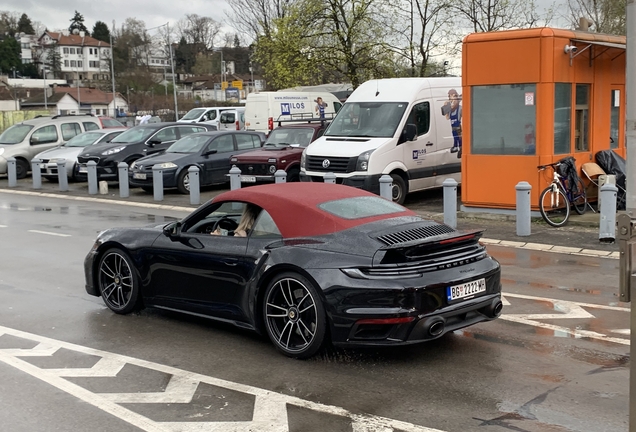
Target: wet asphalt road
557	360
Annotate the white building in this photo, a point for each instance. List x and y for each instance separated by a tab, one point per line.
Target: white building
82	57
27	44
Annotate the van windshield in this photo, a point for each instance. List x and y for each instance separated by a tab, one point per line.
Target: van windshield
15	134
367	119
193	114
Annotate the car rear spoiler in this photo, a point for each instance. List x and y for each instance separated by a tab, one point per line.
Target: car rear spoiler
453	237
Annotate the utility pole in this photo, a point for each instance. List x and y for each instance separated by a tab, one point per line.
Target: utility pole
112	69
174	84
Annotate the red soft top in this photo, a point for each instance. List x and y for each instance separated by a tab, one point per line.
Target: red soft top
294	206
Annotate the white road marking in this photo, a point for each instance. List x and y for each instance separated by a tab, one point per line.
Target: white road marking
49	233
570	310
3	226
270	412
622	331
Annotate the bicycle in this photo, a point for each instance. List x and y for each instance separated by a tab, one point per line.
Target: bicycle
556	199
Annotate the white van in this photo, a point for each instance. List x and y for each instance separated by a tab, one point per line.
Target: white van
409	128
208	115
263	110
232	119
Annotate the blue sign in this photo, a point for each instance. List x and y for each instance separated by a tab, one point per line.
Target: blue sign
232	93
285	109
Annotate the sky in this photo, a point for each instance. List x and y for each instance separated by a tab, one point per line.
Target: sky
57	14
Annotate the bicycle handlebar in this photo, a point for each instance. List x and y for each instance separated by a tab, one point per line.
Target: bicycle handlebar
553	165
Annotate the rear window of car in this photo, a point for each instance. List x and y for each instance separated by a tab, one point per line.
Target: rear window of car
107	122
69	130
360	207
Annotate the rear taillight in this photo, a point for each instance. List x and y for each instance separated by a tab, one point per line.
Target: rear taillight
270	123
237	125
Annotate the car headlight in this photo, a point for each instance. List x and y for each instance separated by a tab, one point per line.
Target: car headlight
272	169
233	159
363	161
1	150
112	151
165	165
303	159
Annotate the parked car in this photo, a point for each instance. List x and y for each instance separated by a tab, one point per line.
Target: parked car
71	149
208	115
359	270
209	151
232	119
281	151
24	140
136	142
109	122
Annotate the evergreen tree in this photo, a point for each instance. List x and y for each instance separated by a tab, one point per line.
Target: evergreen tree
53	60
101	32
25	25
9	55
77	22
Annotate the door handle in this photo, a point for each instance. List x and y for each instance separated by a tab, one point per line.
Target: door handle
231	263
429	143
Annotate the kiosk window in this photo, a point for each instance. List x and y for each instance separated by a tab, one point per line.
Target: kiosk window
582	118
562	117
614	118
503	119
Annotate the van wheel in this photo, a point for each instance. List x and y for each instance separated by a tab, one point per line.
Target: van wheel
398	191
21	168
293	175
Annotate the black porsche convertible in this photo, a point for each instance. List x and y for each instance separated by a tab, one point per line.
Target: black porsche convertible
305	263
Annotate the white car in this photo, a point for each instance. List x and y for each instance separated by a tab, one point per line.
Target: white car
71	149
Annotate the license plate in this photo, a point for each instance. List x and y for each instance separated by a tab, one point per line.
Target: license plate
248	179
139	176
465	290
83	169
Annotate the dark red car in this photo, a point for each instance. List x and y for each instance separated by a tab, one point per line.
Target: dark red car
281	151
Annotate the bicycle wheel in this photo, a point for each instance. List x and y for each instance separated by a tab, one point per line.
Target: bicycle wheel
580	198
554	206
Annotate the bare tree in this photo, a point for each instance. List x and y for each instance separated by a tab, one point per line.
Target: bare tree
607	16
493	15
199	30
255	18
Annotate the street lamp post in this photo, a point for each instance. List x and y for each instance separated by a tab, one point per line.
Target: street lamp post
46	106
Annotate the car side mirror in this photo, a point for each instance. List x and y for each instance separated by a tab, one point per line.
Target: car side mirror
35	140
210	152
172	230
152	143
408	133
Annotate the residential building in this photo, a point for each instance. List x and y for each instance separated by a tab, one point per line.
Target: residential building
95	101
83	58
27	44
58	103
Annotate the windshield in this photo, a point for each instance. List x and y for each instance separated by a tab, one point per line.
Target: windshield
193	114
189	144
134	135
82	140
367	119
284	137
15	134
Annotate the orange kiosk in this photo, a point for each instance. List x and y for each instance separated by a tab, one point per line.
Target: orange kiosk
531	97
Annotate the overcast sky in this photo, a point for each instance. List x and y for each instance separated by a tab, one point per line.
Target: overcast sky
56	14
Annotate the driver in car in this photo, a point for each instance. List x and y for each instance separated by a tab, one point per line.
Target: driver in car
250	212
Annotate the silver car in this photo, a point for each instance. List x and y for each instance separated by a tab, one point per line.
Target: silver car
71	149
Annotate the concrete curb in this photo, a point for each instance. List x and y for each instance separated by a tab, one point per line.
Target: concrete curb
486	241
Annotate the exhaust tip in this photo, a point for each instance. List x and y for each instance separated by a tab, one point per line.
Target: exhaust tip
436	329
497	309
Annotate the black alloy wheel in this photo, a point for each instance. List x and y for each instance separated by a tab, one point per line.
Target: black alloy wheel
117	281
21	168
294	316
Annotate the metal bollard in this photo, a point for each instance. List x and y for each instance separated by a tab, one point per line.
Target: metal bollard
91	173
36	169
450	202
11	171
607	223
280	176
235	177
62	175
157	183
195	193
386	187
523	208
330	178
124	189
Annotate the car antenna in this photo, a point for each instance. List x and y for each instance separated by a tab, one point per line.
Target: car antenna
377	87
